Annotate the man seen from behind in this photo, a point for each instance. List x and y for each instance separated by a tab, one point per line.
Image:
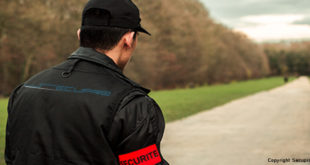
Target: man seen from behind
84	111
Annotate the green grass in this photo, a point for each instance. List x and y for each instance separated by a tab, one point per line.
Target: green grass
180	103
3	116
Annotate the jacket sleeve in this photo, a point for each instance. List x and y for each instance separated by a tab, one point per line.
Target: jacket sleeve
8	154
137	130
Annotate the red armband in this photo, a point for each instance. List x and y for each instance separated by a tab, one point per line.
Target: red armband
145	156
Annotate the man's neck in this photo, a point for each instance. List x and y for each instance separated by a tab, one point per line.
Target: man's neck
114	54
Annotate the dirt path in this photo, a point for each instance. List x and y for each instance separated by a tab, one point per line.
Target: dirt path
272	124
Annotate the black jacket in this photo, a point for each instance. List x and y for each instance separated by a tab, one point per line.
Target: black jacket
83	112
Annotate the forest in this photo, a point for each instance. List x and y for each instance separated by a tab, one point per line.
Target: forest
289	58
187	47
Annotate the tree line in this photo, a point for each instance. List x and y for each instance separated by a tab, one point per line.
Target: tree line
187	47
289	58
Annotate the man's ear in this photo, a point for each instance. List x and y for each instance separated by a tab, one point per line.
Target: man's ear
129	39
78	33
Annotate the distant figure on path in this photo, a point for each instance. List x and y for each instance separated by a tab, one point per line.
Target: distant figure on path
285	79
84	111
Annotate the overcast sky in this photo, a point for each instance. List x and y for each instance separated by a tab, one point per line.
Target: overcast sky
264	20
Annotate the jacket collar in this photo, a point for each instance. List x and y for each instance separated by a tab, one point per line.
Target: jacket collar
90	54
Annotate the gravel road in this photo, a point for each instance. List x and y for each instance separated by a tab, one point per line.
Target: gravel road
255	130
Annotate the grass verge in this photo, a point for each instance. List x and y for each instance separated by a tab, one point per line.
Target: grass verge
180	103
3	116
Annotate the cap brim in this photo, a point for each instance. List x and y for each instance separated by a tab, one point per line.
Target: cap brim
141	29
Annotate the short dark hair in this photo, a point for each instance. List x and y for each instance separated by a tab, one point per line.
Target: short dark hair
105	38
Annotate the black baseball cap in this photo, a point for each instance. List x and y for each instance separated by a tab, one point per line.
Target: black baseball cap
112	13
